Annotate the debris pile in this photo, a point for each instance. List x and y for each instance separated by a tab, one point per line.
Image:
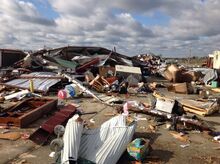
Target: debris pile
50	85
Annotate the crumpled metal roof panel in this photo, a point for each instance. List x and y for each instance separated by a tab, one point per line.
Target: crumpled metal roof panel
40	84
107	144
103	145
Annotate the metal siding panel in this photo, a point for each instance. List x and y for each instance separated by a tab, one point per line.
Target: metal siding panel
41	135
39	84
71	138
102	145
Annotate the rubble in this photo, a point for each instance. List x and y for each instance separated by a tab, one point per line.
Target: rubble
181	75
149	64
51	85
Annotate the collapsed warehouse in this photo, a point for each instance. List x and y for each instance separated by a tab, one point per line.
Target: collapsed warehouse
54	84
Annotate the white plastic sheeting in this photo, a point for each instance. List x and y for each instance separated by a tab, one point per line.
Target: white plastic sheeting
71	138
103	145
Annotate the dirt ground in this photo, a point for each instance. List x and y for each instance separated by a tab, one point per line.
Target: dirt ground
165	148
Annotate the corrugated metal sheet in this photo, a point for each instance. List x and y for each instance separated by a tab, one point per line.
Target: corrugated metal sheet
41	135
36	74
66	63
72	136
106	144
40	84
103	145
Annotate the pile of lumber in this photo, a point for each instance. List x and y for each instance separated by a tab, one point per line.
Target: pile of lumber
201	108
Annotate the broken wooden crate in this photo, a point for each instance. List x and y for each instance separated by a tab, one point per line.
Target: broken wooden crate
27	111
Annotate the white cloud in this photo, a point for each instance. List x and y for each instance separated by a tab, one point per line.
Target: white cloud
23	11
103	23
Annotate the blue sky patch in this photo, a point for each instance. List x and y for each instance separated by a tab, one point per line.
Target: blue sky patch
44	8
158	18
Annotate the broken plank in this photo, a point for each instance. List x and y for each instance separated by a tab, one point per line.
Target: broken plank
10	136
187	109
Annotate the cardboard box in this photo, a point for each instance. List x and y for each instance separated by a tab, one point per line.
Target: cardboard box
184	88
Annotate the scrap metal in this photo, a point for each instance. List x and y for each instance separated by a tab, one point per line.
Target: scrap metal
41	84
41	135
101	145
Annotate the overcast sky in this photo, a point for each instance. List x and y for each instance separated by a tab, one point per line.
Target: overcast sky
168	27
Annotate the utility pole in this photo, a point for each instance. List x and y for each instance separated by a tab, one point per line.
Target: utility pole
190	53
